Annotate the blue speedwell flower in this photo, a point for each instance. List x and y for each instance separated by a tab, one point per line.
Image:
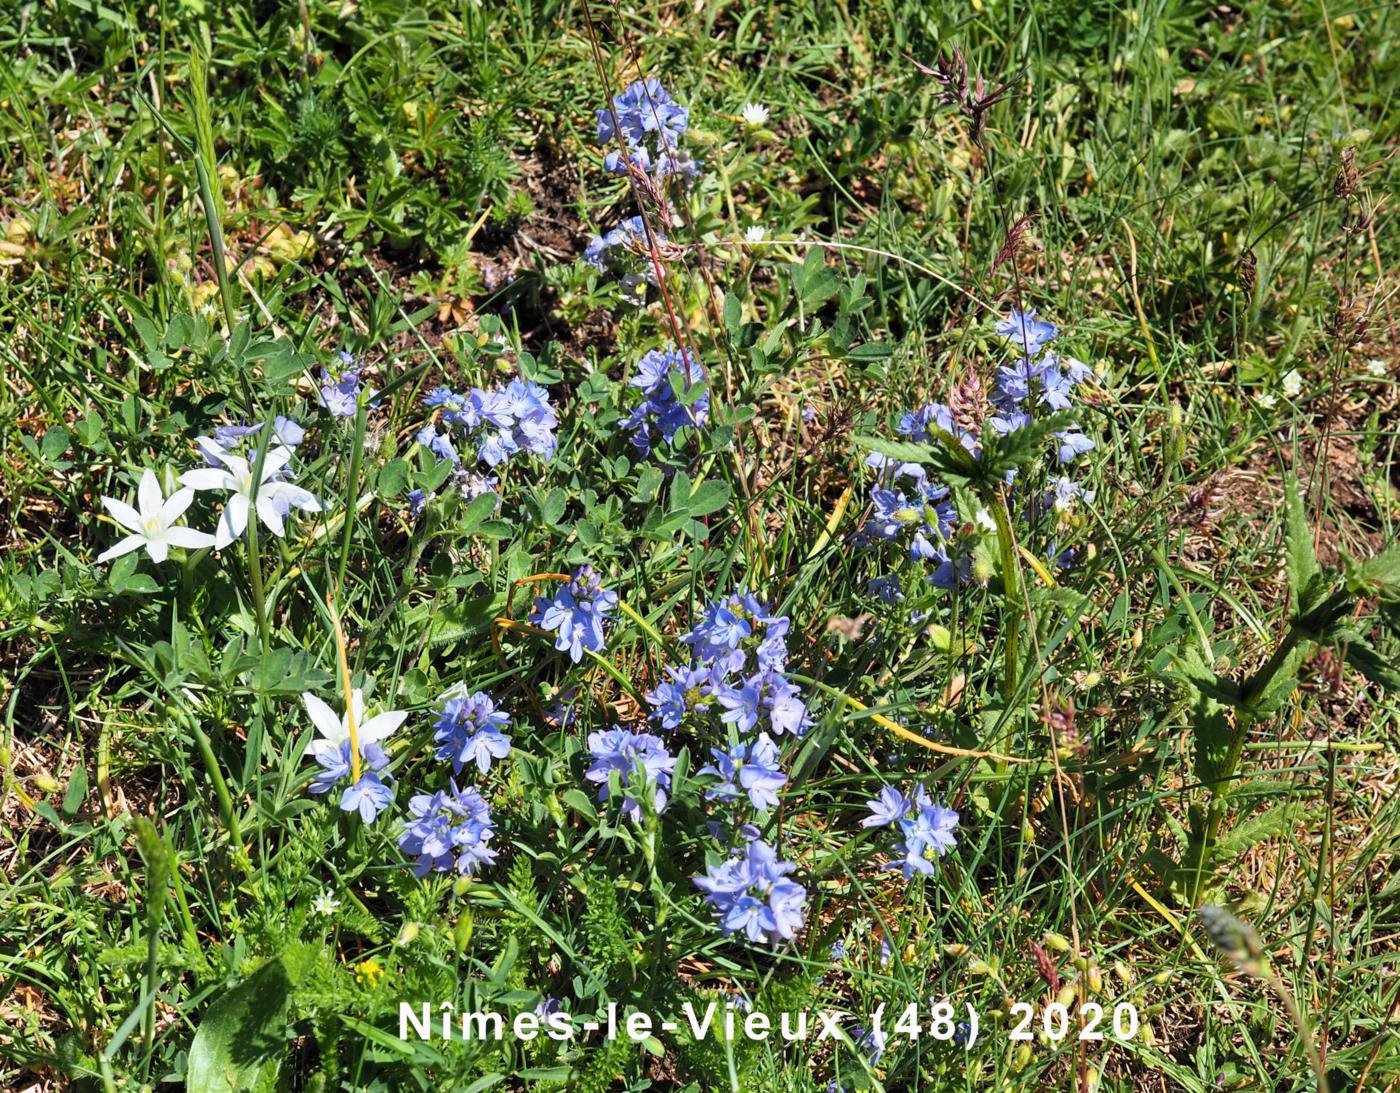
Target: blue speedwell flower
750	769
688	691
500	422
927	829
643	109
752	894
911	508
231	437
449	828
469	730
639	760
341	394
734	628
651	124
628	238
1026	332
662	413
576	613
765	696
369	796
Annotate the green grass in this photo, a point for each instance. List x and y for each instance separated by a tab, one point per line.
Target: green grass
417	184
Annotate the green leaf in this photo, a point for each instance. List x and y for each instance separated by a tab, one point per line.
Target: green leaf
1361	656
462	620
733	315
284	670
1378	576
902	451
869	351
90	430
708	497
393	476
477	513
647	484
1214	738
1187	666
1019	447
121	572
241	1040
581	803
55	443
552	511
1281	687
76	791
1272	823
1301	561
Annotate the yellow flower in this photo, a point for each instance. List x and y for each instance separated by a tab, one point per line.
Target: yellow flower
369	973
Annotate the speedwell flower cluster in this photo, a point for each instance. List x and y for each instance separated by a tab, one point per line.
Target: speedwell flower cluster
500	422
662	412
651	124
926	829
914	509
735	684
453	827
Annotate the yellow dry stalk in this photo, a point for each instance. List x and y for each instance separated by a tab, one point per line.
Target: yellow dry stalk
343	658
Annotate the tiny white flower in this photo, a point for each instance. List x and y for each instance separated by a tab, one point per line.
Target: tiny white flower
1293	383
1266	401
325	904
336	730
1376	368
754	114
754	233
152	527
275	497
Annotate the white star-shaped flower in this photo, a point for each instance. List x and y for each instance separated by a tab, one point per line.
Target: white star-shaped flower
325	904
152	527
336	730
234	473
1293	383
754	114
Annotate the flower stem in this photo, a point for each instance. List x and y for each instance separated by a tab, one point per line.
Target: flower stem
1010	583
344	660
204	166
211	764
352	489
255	574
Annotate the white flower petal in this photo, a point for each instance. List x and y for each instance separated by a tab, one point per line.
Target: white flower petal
275	460
158	549
232	521
267	510
188	538
174	508
123	514
208	478
296	497
380	726
212	449
149	497
126	546
357	703
325	720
